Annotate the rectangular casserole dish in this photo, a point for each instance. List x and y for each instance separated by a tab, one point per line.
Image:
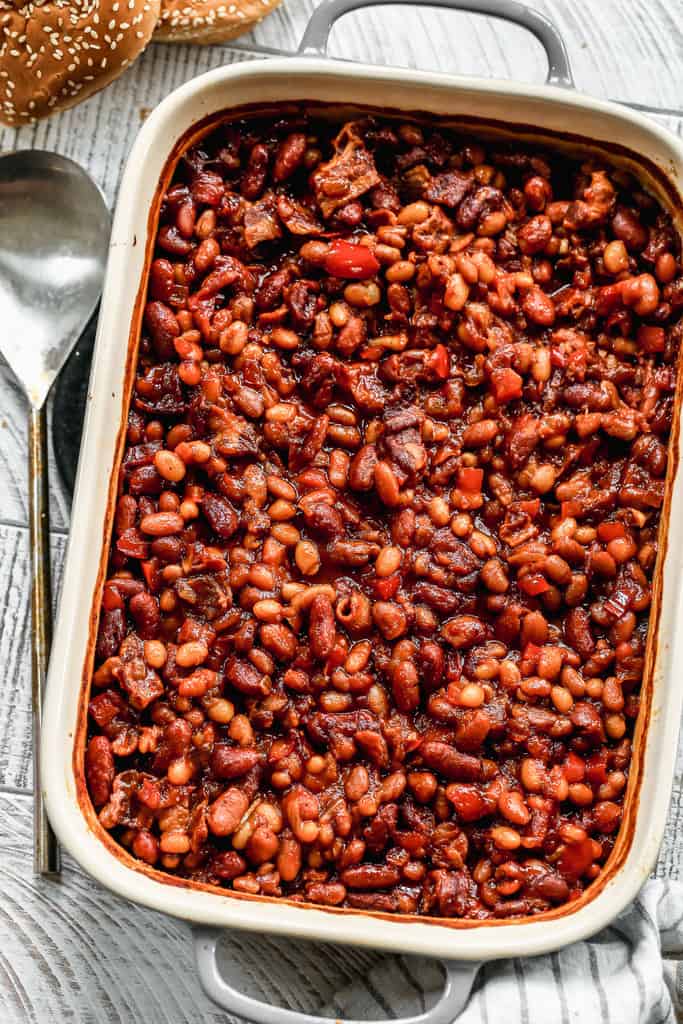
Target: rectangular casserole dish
548	114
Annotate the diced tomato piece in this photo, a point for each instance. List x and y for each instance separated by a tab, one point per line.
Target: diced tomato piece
610	531
470	479
345	259
558	358
596	768
574	768
386	588
651	339
533	584
576	858
506	384
439	362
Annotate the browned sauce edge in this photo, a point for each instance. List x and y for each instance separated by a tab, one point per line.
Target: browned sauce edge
526	133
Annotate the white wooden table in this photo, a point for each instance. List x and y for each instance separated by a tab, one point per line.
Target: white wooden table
69	951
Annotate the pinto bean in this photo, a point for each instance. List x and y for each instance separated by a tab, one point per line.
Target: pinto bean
225	813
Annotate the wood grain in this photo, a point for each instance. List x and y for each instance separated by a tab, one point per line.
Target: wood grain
15	656
70	951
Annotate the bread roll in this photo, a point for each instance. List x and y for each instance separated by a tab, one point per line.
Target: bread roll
209	21
55	53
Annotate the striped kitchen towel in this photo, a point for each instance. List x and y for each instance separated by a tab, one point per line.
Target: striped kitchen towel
630	973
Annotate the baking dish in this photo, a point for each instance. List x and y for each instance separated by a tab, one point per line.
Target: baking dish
549	112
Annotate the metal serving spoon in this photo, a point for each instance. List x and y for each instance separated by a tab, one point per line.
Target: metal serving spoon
54	233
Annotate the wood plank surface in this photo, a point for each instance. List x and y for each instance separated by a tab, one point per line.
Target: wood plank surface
69	950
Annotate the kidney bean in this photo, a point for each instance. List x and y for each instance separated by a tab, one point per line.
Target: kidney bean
288	858
370	876
162	524
144	609
626	226
450	762
405	686
99	769
322	630
386	484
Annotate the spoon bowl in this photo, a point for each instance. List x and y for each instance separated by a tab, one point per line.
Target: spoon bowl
54	236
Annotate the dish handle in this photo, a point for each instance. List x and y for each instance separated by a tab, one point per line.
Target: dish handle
459	980
316	36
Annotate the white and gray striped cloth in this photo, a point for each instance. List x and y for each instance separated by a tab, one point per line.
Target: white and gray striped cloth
627	974
630	973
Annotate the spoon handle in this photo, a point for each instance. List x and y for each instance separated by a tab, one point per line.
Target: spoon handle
46	860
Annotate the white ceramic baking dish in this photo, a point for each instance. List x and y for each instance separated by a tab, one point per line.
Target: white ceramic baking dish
552	113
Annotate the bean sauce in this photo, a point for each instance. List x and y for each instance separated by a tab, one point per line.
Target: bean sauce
374	624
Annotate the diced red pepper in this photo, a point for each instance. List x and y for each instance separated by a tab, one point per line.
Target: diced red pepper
149	571
385	589
439	362
574	768
576	858
570	509
345	259
596	768
533	584
470	479
111	598
531	652
611	531
530	508
506	384
651	339
337	656
148	794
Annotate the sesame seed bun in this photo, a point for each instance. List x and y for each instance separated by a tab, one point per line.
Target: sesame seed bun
209	21
55	53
